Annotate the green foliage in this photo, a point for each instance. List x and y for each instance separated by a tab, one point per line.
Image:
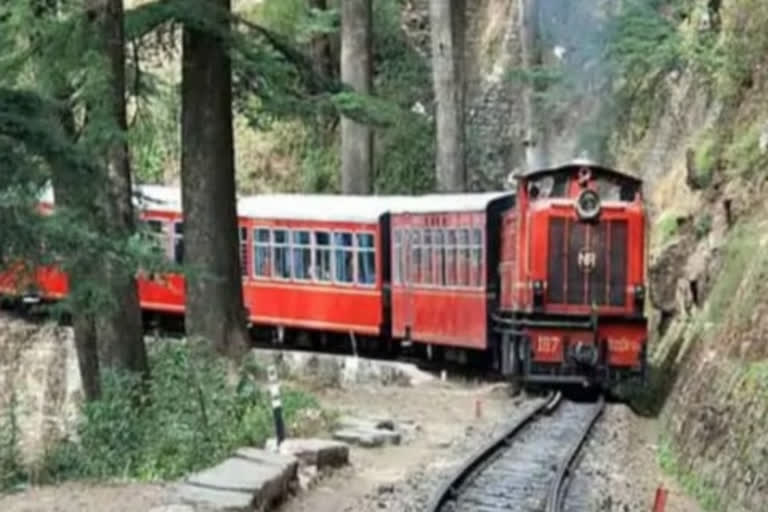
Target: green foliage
744	45
743	155
12	473
154	136
706	158
295	19
405	151
703	225
192	417
405	164
741	247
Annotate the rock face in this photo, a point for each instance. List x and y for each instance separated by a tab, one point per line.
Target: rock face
342	370
39	370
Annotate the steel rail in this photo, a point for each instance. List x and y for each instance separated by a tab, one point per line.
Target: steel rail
555	498
452	488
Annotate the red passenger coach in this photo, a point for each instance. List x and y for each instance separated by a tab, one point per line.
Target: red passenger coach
316	262
444	256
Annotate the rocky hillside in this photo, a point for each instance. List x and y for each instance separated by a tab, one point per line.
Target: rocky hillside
701	142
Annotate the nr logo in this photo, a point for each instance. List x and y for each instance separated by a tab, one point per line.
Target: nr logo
587	260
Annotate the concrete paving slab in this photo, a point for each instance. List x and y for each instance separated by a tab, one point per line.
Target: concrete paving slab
323	453
215	499
254	478
268	457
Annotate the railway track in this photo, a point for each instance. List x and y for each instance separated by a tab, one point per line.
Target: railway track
527	468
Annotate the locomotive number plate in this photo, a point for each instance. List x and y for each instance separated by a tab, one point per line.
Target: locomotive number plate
620	344
548	344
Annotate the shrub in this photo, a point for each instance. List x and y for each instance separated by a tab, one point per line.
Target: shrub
741	247
192	417
665	227
12	471
743	154
705	159
703	225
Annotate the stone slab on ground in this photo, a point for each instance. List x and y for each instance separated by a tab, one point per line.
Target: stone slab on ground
367	437
353	422
215	499
251	479
173	508
323	453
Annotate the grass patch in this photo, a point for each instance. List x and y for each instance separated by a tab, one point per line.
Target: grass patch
740	249
706	159
696	486
194	415
665	227
702	225
743	154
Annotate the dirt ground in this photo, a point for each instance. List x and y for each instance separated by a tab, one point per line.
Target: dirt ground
619	466
621	457
445	414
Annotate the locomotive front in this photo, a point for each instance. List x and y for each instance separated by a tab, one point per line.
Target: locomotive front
573	277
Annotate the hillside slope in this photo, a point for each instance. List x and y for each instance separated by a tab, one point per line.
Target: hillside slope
703	149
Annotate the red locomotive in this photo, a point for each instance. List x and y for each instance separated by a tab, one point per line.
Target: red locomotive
545	285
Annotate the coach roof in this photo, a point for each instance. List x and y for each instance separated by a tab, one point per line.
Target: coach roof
341	208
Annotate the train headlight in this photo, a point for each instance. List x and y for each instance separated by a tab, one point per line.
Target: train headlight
639	297
588	204
538	293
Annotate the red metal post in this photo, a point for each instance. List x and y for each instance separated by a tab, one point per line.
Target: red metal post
661	500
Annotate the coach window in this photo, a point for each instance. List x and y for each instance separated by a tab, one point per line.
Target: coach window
322	270
244	252
463	253
450	257
178	242
262	266
414	272
429	261
366	259
397	257
476	263
281	255
302	255
439	244
344	258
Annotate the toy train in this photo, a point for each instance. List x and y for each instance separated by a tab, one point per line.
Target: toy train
545	284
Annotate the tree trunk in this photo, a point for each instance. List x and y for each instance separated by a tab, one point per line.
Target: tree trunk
121	341
535	138
69	194
447	20
214	309
356	72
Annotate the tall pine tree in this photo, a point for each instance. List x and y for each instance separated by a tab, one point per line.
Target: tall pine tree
214	308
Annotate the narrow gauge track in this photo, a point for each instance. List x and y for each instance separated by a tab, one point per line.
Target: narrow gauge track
527	468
